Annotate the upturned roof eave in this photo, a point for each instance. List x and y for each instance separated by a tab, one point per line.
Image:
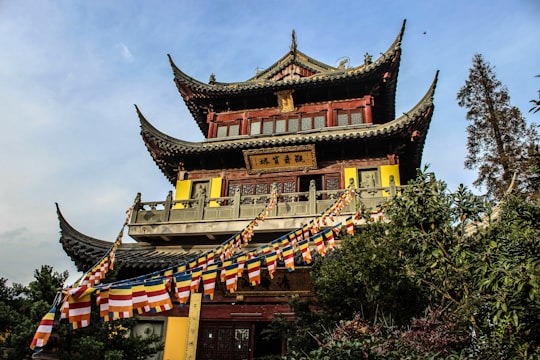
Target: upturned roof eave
86	251
191	88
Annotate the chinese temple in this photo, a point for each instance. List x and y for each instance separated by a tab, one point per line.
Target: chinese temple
280	151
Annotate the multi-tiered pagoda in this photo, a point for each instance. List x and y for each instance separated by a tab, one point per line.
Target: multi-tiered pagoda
299	132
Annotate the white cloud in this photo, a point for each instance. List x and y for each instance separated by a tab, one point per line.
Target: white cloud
125	52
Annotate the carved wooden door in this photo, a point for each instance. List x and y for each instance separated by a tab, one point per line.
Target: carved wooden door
224	342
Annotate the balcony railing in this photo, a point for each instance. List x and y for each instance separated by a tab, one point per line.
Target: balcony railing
241	207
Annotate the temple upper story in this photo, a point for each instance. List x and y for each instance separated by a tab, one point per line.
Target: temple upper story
294	94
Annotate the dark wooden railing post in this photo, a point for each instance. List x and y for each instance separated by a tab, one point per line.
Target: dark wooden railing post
167	208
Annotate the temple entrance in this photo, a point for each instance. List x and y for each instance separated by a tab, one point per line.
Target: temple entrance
227	341
235	341
265	347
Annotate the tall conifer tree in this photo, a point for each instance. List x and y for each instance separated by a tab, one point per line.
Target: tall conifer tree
499	142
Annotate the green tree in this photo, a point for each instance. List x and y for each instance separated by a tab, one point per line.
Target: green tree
367	275
475	275
506	283
536	103
498	138
22	307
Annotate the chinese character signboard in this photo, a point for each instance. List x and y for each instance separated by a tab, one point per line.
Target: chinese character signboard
289	158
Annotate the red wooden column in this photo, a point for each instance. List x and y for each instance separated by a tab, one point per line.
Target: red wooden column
210	119
329	115
368	116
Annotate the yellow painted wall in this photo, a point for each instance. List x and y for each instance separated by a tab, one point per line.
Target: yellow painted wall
176	338
183	190
215	190
386	171
349	173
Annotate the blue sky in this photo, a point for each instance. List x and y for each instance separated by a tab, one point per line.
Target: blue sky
71	71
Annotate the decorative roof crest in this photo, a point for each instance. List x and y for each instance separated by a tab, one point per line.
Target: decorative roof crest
293	42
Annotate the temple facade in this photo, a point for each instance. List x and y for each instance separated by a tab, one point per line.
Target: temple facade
280	151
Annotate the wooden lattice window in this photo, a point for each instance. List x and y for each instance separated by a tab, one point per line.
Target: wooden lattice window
349	117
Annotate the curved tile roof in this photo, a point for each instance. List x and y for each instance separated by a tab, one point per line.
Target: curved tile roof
141	258
167	151
198	95
86	251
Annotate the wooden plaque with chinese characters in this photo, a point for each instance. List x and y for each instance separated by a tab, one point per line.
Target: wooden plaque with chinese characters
288	158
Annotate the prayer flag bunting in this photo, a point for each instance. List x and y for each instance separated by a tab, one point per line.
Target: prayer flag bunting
196	278
349	225
209	278
306	232
102	299
231	277
304	248
223	266
158	297
271	259
329	235
288	258
140	299
299	234
254	271
318	239
120	302
210	258
241	261
79	310
182	283
337	229
43	332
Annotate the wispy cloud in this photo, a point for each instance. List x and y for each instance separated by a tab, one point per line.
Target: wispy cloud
125	52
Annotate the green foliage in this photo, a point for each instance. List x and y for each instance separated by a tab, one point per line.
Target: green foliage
536	103
22	308
106	340
440	280
367	275
46	284
430	221
507	283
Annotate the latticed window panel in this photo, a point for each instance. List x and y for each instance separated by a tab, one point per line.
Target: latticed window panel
356	118
234	130
293	125
261	189
233	188
343	119
289	186
281	125
332	183
248	189
318	122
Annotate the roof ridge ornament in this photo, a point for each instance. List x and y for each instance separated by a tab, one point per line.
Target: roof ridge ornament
293	41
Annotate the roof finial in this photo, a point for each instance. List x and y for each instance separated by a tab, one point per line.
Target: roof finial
293	43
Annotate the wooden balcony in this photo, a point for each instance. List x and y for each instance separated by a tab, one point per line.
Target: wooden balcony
223	216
